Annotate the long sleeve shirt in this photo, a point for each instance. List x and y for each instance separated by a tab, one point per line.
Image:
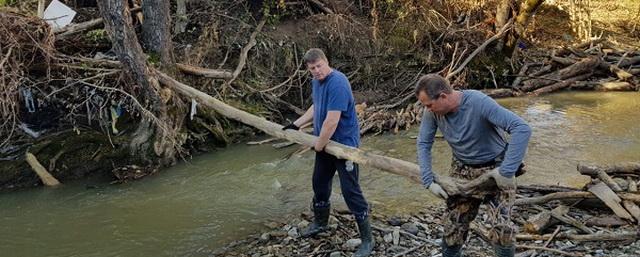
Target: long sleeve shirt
475	133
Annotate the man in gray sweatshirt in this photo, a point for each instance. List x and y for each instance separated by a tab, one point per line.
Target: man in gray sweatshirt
474	125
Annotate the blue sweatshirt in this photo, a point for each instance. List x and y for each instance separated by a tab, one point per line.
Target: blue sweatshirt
475	133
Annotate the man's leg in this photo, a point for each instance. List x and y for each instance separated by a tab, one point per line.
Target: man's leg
349	173
503	231
323	171
461	211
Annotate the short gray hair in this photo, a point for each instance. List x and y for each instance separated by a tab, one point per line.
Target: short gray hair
314	54
433	85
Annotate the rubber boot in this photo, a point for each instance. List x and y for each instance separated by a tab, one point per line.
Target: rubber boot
504	251
451	251
366	247
320	221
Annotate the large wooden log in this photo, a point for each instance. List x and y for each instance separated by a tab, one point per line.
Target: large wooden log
388	164
618	169
603	176
576	195
583	238
584	66
561	85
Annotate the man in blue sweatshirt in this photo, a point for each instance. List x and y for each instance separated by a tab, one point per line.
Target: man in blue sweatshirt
474	125
334	118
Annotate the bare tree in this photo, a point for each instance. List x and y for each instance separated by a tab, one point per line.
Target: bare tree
117	20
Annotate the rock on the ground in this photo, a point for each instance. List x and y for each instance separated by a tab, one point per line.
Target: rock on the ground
351	244
388	238
411	228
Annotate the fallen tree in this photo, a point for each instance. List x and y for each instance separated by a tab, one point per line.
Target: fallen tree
391	165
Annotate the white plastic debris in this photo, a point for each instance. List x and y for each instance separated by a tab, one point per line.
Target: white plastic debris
58	15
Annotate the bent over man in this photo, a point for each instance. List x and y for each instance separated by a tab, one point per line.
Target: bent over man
334	118
473	124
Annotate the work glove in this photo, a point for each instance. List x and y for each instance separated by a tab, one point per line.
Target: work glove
503	182
291	126
438	191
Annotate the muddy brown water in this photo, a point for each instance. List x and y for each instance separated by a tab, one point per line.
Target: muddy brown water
195	207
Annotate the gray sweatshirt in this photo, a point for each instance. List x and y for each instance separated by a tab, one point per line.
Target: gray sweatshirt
475	133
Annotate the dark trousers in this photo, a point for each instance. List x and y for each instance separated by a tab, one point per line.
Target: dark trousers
323	171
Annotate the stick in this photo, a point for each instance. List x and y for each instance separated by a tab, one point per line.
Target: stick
548	250
410	250
500	33
45	176
208	73
546	244
321	6
245	51
575	195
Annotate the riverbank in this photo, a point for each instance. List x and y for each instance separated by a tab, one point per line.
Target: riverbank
419	234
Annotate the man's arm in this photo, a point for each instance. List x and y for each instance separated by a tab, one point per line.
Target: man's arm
328	128
424	143
305	118
514	125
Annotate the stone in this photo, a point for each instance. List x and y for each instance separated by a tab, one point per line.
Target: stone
265	237
396	235
335	254
351	244
394	221
411	228
293	232
303	224
388	238
272	225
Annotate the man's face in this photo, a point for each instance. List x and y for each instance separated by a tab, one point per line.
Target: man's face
438	106
319	69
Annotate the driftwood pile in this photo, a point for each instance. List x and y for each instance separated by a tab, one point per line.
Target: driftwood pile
553	221
594	65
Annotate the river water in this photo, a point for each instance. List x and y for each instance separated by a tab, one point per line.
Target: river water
195	207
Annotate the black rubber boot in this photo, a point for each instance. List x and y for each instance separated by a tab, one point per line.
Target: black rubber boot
320	221
367	239
451	251
504	251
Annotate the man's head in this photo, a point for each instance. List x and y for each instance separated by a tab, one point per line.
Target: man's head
317	63
435	93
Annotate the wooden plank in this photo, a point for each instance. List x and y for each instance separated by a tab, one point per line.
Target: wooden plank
604	193
633	209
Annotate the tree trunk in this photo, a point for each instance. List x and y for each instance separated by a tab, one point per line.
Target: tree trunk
156	32
181	17
117	20
527	9
503	13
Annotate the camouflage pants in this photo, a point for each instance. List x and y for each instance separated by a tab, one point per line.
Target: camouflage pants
462	210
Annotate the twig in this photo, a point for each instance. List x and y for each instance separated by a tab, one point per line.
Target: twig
321	6
245	51
546	244
410	250
548	249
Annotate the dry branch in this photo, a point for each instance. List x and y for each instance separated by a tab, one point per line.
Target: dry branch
209	73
